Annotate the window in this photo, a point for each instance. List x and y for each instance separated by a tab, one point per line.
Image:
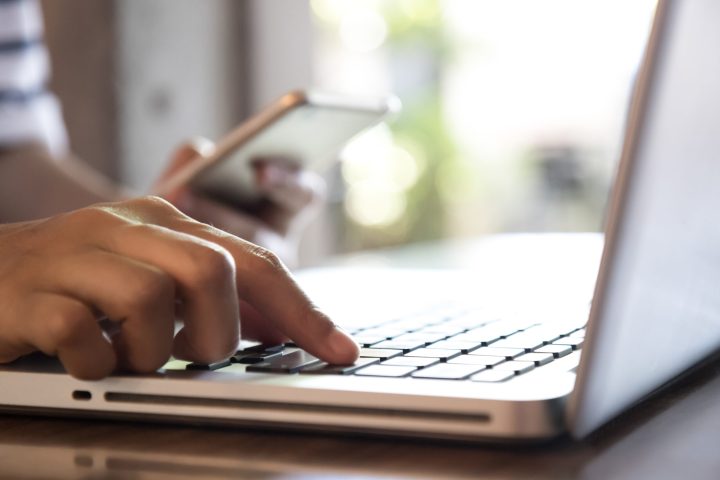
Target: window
513	112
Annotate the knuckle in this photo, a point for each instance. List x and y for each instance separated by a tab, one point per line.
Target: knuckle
211	265
154	202
149	288
263	260
65	327
142	230
94	216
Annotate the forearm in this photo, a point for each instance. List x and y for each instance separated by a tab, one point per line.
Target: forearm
34	185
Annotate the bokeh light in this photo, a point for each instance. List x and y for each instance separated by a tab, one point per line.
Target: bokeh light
378	173
373	205
363	30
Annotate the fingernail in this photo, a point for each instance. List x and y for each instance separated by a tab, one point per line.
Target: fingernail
202	145
344	347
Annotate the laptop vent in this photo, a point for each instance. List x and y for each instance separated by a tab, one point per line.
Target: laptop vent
121	397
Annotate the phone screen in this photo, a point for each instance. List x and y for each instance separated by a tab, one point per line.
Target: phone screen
307	134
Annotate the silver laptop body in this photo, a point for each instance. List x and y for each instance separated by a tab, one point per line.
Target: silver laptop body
655	310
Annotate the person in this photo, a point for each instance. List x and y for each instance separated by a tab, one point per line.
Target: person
97	277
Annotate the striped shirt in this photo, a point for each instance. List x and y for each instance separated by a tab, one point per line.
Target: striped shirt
28	111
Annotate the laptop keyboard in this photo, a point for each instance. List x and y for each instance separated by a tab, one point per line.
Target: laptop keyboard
445	344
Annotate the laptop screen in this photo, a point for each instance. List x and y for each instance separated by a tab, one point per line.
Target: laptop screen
657	311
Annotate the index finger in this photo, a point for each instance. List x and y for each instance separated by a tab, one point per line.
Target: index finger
264	282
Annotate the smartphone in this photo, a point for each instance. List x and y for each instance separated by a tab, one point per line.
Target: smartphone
306	128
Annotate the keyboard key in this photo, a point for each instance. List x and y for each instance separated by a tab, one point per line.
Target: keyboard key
507	353
470	320
533	337
440	329
385	332
233	368
484	360
418	362
438	353
420	336
572	361
453	344
575	342
577	333
368	340
448	371
494	332
325	368
538	358
257	354
262	349
557	350
492	376
479	336
254	358
286	363
208	366
385	371
175	364
526	343
407	325
381	353
399	345
515	366
544	333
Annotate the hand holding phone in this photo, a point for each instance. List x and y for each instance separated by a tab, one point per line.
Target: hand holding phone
304	130
291	196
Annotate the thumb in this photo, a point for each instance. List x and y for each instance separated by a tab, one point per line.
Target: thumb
184	155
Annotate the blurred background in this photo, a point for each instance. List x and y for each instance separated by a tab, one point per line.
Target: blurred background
513	109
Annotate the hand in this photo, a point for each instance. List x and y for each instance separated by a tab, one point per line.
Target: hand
292	198
141	263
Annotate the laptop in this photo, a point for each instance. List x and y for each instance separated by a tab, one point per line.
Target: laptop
512	350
